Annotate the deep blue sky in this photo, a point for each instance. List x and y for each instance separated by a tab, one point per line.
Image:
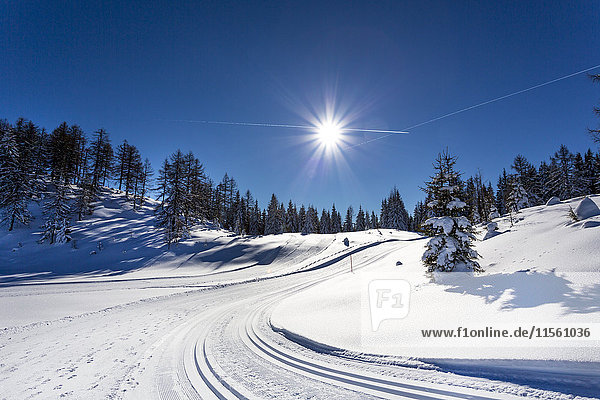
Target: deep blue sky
130	67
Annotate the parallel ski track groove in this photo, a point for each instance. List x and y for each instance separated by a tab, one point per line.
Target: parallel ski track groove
249	334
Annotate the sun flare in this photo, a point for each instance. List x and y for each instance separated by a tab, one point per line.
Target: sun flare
329	133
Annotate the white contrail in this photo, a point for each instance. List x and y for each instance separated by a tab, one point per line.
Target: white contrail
270	125
371	131
387	133
482	104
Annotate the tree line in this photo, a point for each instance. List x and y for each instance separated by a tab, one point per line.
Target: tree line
453	205
565	175
66	171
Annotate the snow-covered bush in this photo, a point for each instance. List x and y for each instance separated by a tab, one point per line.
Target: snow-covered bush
586	209
494	213
492	230
572	216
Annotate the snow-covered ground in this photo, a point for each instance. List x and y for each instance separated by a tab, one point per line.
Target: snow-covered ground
120	316
544	271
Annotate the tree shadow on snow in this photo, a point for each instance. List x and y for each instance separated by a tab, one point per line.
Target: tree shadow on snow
526	289
238	253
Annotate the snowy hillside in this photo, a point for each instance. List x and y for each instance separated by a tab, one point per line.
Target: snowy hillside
544	271
116	314
119	242
121	249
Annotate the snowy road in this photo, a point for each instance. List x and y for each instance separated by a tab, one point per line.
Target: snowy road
206	342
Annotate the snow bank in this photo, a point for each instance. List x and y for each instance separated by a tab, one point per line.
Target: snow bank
587	208
553	201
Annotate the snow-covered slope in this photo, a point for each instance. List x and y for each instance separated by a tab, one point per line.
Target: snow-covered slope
121	249
122	319
122	243
543	271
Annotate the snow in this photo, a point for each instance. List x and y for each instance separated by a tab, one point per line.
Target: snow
456	204
445	223
492	228
542	271
587	208
123	322
553	201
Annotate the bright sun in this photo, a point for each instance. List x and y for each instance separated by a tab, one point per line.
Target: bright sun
329	133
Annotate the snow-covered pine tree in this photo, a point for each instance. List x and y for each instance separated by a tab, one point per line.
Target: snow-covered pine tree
325	222
518	197
360	220
449	248
368	224
336	220
475	217
309	226
162	182
263	222
479	198
592	171
393	212
489	202
502	193
420	216
225	198
197	206
471	199
374	220
255	220
274	222
291	218
57	215
282	214
528	176
17	179
247	210
385	214
561	173
80	155
348	221
316	221
581	182
301	217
